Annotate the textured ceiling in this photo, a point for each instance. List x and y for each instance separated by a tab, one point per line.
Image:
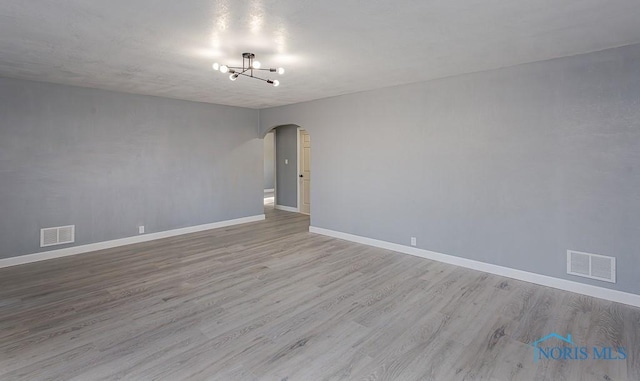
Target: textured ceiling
329	47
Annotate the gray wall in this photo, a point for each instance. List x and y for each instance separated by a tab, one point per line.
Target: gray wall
269	161
287	174
108	162
510	167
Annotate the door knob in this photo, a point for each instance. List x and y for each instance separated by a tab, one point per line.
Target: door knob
301	176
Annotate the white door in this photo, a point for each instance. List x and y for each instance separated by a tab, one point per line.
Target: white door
305	173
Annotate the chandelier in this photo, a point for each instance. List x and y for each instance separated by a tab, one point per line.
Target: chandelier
249	64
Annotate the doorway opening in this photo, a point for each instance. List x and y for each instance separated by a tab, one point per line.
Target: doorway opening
288	148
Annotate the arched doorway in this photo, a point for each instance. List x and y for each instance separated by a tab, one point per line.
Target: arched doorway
291	169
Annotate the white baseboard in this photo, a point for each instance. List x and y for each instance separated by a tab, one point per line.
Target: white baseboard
544	280
287	208
42	256
269	190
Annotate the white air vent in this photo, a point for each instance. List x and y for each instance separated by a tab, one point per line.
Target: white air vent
592	266
57	236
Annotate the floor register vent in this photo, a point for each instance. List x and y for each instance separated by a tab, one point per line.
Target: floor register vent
592	266
57	236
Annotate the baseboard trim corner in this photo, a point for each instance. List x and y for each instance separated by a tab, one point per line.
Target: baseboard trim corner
543	280
74	250
287	208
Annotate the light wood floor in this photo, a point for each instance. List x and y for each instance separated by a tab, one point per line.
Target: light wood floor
270	301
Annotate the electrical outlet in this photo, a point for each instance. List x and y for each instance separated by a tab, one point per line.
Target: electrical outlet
413	241
286	161
141	229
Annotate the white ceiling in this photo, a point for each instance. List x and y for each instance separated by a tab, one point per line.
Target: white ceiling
328	47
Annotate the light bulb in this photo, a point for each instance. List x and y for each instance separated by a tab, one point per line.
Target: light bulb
276	83
216	66
280	70
233	77
256	64
224	69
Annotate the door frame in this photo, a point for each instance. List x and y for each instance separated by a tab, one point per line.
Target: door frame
299	188
275	167
298	168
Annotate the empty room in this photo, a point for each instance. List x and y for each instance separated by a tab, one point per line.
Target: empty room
319	190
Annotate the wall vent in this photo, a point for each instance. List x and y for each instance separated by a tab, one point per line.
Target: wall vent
591	266
58	235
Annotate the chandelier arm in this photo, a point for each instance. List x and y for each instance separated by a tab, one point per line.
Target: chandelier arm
232	70
254	77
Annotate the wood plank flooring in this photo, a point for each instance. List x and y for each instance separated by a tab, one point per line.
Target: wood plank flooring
270	301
